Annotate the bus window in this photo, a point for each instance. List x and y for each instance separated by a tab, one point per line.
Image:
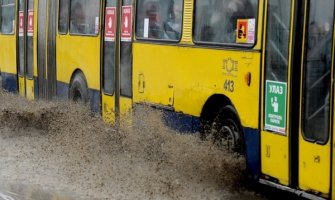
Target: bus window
21	42
159	19
7	16
63	23
85	17
277	40
30	45
225	21
317	78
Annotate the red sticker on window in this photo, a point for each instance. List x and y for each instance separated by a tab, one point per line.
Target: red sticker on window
110	24
21	23
30	30
126	30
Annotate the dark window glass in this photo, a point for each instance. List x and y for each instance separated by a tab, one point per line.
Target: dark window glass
109	59
109	67
63	23
277	40
317	66
22	5
225	21
126	64
7	16
157	19
111	3
31	5
30	43
84	18
21	47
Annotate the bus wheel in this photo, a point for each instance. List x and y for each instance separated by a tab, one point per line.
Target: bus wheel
226	131
78	89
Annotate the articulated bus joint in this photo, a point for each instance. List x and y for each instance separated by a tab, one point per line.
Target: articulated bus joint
291	190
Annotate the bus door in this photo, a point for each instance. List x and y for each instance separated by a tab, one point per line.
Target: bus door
46	49
296	131
117	60
315	132
25	48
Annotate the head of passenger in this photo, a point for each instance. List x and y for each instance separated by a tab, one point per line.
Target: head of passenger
314	31
77	18
152	11
238	9
172	26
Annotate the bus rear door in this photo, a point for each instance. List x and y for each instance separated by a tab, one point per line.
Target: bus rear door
46	49
315	131
297	91
25	48
117	60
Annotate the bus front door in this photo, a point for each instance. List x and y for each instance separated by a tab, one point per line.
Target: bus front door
297	91
117	60
25	48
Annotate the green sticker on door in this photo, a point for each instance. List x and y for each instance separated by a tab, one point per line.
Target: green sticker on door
275	106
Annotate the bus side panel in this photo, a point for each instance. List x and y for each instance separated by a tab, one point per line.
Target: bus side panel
184	78
79	53
275	156
8	62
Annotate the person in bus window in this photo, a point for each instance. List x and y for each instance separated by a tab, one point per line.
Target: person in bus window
77	19
172	26
152	14
150	25
225	23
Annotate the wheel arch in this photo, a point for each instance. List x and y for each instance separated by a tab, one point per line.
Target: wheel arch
75	73
81	89
212	108
213	105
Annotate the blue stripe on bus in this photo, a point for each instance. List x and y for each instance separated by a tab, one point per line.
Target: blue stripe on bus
62	90
252	145
36	94
95	100
181	122
9	82
94	95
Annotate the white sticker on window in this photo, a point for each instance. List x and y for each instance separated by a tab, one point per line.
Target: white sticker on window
13	30
251	31
96	30
146	28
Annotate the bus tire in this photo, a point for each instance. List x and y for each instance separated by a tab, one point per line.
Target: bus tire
78	91
226	130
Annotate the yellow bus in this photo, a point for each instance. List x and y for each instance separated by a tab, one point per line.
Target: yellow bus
8	45
257	74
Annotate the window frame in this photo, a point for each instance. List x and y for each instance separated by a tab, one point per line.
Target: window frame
87	35
229	45
14	25
303	87
154	40
289	51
